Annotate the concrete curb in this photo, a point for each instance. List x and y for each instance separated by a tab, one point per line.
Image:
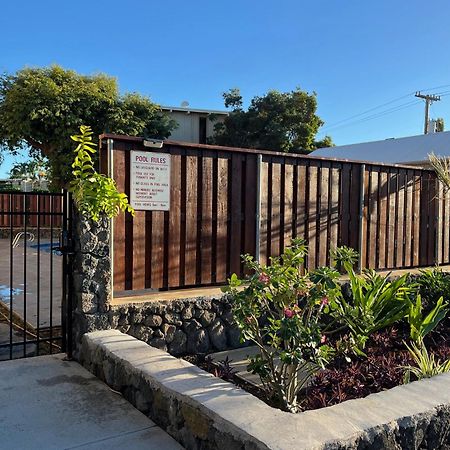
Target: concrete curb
202	411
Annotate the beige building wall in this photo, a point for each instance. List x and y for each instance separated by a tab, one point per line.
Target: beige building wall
194	125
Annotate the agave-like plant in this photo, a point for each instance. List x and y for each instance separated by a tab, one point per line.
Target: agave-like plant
376	303
427	365
441	166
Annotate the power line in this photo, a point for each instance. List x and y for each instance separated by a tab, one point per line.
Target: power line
369	110
373	116
436	87
333	125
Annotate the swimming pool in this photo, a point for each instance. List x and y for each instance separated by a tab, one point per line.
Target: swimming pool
47	247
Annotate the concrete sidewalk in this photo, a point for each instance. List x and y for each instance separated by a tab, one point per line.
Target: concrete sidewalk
48	403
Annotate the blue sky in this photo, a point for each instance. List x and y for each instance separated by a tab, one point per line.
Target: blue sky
355	54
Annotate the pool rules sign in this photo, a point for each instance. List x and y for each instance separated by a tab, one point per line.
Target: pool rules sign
150	181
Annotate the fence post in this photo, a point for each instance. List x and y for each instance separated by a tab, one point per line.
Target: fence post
361	215
437	224
110	148
258	207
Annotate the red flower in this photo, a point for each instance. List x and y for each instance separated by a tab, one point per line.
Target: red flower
264	278
323	339
288	313
324	301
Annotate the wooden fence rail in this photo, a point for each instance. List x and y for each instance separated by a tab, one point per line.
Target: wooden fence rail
395	216
41	210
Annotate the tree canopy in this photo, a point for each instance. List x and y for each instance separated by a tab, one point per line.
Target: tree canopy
282	121
42	107
36	168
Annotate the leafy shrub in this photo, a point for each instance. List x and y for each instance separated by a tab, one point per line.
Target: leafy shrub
94	194
376	304
344	258
433	284
280	311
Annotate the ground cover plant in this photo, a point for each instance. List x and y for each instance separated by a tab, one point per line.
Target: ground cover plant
322	341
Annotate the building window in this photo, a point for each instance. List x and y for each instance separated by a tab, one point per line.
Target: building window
202	130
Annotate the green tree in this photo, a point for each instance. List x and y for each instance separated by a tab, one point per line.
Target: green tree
282	121
440	124
34	169
40	108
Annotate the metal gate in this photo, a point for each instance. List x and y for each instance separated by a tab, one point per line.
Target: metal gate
35	238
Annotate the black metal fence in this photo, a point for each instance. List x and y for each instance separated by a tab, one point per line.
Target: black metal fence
35	229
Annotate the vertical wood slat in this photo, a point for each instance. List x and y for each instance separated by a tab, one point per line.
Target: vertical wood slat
408	217
119	224
236	214
400	218
301	206
334	209
157	252
323	216
373	225
249	189
264	237
312	216
416	220
275	231
287	232
174	253
354	199
206	227
222	220
344	200
139	237
365	220
382	226
190	266
391	207
433	240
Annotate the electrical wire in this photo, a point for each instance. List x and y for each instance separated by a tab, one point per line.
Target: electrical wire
369	110
374	116
334	125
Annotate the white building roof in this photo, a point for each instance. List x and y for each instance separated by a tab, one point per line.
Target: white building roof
411	149
189	110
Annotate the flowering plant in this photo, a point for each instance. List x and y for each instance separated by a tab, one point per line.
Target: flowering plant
280	309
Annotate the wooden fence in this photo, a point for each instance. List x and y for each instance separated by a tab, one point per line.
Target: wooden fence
16	208
395	216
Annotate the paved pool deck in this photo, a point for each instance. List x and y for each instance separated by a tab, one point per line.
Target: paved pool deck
46	283
49	403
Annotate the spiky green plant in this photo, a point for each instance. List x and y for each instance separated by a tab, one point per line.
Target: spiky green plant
426	364
421	324
376	303
441	166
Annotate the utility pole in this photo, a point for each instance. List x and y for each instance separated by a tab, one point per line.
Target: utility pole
429	99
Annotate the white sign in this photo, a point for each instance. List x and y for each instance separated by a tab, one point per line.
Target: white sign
150	181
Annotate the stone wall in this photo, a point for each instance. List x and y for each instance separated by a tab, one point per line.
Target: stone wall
181	326
204	412
91	290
